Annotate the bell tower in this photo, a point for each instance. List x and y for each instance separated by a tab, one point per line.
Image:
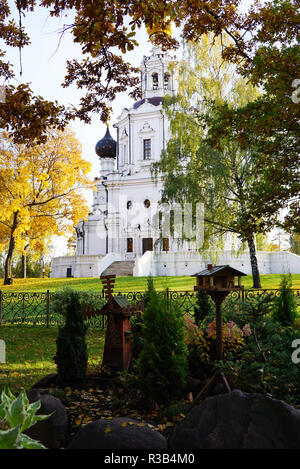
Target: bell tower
157	73
157	77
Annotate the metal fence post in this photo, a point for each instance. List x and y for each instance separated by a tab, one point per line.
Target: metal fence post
47	308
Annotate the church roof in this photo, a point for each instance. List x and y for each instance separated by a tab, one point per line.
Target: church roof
155	100
107	146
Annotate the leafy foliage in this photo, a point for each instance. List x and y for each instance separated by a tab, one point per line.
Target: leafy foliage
88	299
162	363
16	416
201	343
265	365
71	354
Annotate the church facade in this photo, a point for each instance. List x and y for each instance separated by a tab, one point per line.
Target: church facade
122	234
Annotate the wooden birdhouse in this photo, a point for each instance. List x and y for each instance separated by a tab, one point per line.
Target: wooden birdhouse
219	277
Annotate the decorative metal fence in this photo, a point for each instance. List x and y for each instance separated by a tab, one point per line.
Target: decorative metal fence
31	308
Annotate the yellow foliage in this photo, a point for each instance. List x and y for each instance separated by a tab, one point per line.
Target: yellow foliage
40	189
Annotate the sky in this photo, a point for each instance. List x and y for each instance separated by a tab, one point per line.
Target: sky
44	67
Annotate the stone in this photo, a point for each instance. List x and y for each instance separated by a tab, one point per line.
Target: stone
239	420
47	381
118	433
2	351
53	432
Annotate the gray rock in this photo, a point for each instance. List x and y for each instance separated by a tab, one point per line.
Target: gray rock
239	420
47	381
93	436
54	431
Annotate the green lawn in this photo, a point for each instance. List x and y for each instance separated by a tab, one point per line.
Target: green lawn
30	351
125	284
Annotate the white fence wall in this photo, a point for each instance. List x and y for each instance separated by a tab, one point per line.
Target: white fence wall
180	263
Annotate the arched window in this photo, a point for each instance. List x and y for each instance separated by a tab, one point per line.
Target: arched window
155	81
166	81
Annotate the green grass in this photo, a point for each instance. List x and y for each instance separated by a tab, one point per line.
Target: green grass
125	284
30	351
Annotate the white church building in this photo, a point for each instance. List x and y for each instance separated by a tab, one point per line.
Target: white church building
122	234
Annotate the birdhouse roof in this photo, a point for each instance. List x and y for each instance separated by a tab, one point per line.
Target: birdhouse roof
121	301
218	269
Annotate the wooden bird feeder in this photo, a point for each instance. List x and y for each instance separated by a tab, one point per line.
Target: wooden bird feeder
218	278
218	281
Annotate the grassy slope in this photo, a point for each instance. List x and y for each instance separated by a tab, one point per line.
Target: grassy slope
124	284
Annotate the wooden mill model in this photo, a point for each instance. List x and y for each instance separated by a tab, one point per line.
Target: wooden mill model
218	282
117	348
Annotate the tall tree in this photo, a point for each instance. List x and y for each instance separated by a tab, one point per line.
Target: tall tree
264	46
194	172
39	191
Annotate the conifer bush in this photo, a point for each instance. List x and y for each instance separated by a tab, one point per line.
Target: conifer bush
203	308
162	364
285	305
71	354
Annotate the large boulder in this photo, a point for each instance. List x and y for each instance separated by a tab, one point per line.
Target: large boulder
118	433
47	381
54	431
239	420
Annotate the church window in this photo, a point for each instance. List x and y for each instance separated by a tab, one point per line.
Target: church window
129	245
166	81
147	148
166	244
147	203
154	81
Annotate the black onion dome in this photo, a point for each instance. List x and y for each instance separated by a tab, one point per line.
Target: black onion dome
107	146
155	100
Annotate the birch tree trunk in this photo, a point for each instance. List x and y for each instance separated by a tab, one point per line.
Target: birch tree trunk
254	264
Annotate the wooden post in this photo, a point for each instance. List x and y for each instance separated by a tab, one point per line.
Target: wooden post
219	329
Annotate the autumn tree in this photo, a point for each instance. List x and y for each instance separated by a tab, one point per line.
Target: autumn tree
40	191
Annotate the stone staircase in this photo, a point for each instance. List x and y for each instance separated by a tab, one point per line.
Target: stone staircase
120	268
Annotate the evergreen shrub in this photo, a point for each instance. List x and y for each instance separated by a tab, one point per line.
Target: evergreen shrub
71	354
162	364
